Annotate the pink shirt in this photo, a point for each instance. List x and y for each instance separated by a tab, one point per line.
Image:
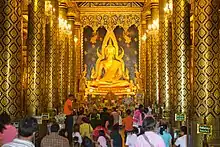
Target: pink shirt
137	118
9	133
155	139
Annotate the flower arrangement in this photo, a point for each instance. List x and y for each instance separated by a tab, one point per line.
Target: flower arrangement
60	118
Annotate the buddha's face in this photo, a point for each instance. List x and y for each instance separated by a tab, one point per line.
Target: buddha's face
110	51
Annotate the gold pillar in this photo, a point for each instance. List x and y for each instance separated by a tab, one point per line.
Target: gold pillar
78	54
165	58
71	68
11	55
36	56
206	71
180	55
154	57
143	54
63	54
51	53
148	61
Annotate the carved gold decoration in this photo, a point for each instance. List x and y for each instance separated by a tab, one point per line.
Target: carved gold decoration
206	73
110	20
83	80
110	4
180	55
11	55
36	56
138	79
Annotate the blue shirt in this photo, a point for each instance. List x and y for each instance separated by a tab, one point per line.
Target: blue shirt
166	138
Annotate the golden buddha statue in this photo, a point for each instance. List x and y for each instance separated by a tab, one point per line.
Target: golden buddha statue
110	70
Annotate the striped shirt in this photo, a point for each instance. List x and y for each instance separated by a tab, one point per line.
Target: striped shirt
19	143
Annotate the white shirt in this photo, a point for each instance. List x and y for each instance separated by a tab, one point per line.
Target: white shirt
76	134
181	141
131	140
102	141
19	143
155	139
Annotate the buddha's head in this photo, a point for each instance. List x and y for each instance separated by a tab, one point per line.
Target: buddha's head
110	50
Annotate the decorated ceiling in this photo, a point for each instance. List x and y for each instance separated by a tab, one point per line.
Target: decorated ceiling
110	4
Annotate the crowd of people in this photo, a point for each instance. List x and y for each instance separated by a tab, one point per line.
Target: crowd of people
109	128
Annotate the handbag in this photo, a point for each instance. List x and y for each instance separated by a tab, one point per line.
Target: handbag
148	141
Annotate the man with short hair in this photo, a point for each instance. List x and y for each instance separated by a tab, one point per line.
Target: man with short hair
149	138
54	139
26	131
182	141
68	110
105	116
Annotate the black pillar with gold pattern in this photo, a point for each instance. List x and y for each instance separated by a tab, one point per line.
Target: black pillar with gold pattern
154	55
63	54
51	53
71	67
148	61
78	60
165	58
143	54
206	72
180	55
36	56
11	56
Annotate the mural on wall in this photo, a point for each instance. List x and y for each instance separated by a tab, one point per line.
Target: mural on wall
92	40
128	40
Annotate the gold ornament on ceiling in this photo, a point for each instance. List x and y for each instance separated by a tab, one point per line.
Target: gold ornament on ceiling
110	20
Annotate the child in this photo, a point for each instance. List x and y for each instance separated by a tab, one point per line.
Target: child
76	135
102	140
132	138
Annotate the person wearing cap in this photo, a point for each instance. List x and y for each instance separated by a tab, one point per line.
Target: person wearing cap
149	138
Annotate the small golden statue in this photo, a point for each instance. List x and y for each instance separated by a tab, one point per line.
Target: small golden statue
110	69
138	78
83	81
